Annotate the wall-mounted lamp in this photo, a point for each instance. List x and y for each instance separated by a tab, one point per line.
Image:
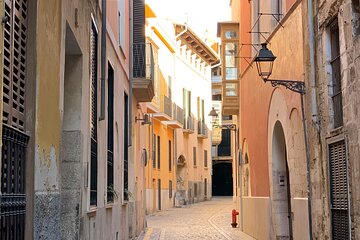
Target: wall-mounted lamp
264	64
145	120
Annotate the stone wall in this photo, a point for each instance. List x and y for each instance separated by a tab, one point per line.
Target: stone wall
347	15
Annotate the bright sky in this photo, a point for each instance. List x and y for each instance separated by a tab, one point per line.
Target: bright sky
201	15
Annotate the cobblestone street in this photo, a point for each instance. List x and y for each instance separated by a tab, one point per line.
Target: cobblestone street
208	220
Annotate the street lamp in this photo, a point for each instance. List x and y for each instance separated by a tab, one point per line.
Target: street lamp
264	63
214	117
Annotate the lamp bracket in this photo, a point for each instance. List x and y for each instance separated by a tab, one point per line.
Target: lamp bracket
226	126
295	86
145	120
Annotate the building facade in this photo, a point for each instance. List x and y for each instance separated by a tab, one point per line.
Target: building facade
271	180
332	116
179	167
69	103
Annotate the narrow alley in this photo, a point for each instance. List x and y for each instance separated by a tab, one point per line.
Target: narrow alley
206	220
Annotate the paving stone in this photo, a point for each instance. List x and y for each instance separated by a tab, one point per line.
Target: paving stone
208	220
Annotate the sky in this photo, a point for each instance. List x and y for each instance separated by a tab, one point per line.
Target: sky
201	15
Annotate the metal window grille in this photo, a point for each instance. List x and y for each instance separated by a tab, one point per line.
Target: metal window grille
93	114
13	159
339	190
224	148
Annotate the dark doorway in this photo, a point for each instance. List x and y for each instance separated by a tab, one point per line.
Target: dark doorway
222	183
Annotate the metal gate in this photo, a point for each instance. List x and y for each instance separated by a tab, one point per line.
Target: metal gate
12	195
339	191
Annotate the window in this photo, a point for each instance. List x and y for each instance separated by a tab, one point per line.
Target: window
205	159
154	151
110	136
336	74
231	89
169	87
170	157
121	23
276	9
339	190
126	139
93	113
158	151
224	148
170	189
194	156
138	21
231	61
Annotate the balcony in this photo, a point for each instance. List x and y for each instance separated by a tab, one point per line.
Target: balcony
189	125
202	130
177	117
165	113
143	72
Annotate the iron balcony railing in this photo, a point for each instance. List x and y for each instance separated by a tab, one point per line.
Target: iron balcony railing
189	123
167	106
202	129
178	114
143	61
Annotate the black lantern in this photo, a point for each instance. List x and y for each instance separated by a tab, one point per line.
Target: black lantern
214	115
264	62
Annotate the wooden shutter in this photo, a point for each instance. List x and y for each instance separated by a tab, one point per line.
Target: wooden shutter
339	190
14	68
139	21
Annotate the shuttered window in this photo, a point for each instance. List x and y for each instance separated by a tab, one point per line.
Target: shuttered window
158	152
205	159
194	156
139	21
93	113
110	136
154	151
14	68
339	190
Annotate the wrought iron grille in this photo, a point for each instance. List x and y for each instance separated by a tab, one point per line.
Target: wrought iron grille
12	195
13	198
339	190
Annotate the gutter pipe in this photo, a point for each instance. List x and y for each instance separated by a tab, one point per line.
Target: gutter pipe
103	59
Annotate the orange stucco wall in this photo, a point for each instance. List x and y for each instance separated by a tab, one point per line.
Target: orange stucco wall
255	95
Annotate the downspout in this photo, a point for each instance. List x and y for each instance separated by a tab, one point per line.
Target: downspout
313	105
312	67
130	72
103	59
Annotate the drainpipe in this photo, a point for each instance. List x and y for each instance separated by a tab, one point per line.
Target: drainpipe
313	107
103	59
130	72
312	67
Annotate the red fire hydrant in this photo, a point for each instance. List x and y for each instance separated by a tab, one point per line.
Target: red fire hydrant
234	213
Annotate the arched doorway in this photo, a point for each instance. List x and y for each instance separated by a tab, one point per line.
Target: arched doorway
281	197
222	183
